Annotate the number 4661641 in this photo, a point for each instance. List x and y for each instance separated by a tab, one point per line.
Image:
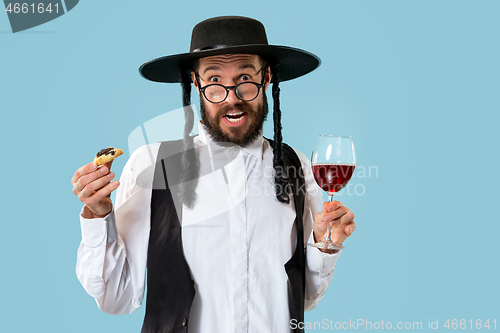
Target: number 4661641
24	8
462	324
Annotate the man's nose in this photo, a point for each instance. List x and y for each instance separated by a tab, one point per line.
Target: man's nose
231	97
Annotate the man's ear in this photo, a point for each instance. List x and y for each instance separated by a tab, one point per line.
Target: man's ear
268	78
193	78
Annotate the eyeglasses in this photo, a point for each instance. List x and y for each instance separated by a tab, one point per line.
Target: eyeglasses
245	91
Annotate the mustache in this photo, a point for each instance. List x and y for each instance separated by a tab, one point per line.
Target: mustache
237	107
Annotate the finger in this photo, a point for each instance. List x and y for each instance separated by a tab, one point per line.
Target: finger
344	220
330	206
336	214
108	164
95	185
100	194
347	218
84	170
88	178
319	217
319	225
349	229
334	205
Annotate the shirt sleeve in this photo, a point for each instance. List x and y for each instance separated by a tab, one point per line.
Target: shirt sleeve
111	258
319	265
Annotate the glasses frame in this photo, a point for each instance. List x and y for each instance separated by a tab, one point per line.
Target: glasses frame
227	88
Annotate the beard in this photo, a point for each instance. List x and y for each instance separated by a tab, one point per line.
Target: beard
239	136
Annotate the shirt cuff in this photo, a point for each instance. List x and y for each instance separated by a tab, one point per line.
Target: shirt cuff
318	261
94	230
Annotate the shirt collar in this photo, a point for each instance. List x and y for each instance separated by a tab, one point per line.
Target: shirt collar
254	149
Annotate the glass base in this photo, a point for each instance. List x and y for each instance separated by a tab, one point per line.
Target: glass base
327	245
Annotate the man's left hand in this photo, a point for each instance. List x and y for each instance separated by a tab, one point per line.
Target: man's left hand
341	220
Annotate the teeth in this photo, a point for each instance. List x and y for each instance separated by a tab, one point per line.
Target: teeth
232	120
235	114
235	120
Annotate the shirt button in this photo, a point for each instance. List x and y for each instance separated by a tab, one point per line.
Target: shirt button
184	322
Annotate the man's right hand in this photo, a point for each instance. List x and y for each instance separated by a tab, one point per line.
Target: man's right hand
93	187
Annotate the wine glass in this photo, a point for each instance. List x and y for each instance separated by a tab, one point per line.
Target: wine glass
333	161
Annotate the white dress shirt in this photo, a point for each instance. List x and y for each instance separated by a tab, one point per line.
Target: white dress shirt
236	240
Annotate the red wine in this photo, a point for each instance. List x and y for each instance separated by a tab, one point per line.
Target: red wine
332	177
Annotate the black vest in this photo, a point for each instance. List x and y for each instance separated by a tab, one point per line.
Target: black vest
169	296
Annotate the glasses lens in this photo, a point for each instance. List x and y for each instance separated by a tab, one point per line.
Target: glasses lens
247	91
215	93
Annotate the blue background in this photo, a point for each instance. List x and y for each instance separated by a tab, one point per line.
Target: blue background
415	83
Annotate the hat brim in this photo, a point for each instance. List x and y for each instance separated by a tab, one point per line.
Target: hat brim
290	62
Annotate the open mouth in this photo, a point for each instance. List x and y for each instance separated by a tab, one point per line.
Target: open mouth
235	116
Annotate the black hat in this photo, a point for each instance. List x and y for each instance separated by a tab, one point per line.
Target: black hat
230	35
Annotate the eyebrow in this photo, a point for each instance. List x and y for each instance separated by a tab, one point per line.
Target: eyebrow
217	68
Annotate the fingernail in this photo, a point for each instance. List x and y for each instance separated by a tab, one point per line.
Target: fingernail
92	166
111	175
330	208
115	184
328	218
104	170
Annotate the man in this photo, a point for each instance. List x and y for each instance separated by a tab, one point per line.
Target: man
212	218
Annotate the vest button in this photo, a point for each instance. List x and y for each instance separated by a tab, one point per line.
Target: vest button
184	322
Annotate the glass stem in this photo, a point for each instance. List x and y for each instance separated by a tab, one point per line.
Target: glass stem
328	233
